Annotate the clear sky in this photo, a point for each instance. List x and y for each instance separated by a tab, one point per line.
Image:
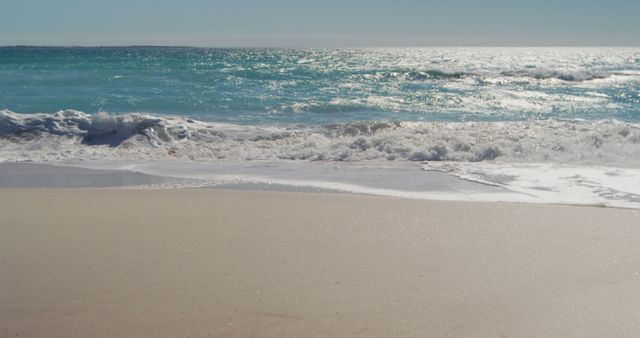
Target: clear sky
321	23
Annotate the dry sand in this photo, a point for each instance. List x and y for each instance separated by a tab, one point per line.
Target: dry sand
178	263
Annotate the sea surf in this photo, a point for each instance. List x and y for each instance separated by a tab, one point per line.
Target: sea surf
539	125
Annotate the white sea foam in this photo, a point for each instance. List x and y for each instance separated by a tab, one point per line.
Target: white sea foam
554	183
461	181
72	135
539	161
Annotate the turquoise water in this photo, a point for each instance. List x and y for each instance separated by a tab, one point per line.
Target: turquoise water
317	86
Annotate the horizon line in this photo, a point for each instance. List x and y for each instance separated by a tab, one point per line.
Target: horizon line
307	47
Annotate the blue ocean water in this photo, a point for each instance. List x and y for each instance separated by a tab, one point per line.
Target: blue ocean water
321	86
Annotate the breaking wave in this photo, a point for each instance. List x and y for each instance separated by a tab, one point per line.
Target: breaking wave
74	135
569	76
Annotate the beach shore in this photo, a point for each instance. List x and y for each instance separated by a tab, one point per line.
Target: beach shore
212	262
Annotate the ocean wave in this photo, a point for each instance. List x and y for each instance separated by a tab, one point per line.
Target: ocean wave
564	75
410	75
74	135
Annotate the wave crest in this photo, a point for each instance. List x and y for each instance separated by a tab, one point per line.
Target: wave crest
98	129
569	76
73	135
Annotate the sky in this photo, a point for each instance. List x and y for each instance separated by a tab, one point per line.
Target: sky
326	23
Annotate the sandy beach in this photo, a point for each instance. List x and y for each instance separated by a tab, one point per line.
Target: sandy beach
438	169
195	263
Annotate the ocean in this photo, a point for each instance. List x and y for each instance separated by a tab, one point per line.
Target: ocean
548	125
